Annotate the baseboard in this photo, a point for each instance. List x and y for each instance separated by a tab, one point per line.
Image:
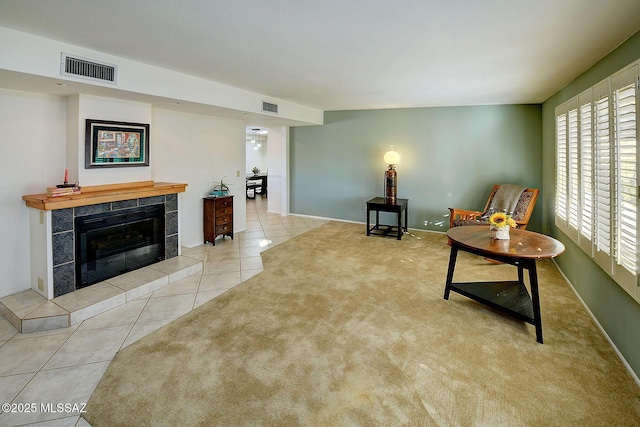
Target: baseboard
359	222
622	359
324	218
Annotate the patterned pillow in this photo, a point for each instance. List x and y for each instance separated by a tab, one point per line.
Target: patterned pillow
521	207
459	222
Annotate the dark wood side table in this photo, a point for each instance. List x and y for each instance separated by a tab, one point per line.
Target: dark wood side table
521	250
254	182
217	218
379	204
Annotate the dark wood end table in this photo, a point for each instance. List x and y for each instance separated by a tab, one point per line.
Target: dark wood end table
521	250
379	204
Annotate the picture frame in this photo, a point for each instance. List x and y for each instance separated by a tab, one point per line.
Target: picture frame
111	144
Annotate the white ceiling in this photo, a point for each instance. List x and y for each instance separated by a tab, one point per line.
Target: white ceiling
350	54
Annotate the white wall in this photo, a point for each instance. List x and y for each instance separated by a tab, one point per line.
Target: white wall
40	134
185	148
33	156
25	53
199	150
94	107
277	158
257	158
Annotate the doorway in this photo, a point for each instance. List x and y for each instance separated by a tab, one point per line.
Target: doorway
257	140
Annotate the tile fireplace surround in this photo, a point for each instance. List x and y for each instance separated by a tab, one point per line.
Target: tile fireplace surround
52	249
52	246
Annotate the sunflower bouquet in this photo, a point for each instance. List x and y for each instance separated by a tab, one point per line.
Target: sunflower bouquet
502	220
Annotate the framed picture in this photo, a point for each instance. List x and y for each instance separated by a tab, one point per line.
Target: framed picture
116	144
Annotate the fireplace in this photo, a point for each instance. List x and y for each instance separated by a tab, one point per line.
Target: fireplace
53	238
112	243
68	268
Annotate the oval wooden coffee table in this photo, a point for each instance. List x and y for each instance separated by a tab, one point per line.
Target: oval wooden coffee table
521	250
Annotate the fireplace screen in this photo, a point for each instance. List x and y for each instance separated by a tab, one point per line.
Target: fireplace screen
113	243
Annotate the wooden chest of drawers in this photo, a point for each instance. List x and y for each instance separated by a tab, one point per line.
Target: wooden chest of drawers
218	218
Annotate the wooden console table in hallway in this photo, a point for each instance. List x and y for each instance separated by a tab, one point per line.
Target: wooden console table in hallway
521	250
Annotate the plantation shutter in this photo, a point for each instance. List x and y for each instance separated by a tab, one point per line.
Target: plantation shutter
573	168
586	171
603	184
597	164
561	170
624	87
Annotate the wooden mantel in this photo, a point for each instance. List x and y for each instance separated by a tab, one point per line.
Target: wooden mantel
95	194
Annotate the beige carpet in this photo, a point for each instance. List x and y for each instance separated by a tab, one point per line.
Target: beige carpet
343	329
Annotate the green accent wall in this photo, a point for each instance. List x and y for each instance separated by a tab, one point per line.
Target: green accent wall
449	157
616	311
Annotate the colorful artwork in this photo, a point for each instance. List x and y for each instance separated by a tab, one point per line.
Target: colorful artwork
116	144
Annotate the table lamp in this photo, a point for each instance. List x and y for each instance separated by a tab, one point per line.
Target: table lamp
391	176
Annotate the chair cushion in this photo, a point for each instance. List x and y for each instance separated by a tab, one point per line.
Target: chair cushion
506	198
521	207
460	222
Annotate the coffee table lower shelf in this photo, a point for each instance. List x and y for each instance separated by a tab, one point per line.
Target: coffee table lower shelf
510	297
385	230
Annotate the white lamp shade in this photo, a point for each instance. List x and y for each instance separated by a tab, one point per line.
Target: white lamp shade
391	157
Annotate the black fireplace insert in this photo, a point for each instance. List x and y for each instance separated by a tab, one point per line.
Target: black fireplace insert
112	243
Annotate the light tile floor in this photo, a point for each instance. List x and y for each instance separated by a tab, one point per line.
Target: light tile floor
64	366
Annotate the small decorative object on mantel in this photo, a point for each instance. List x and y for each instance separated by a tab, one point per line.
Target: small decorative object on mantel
499	225
255	170
68	190
64	189
220	188
65	183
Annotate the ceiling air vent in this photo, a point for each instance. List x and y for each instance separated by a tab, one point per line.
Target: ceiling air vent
80	67
268	107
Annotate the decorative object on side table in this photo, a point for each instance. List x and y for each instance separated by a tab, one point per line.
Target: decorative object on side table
220	188
499	225
255	171
391	176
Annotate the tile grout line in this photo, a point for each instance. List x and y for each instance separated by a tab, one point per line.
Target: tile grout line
261	216
35	373
135	322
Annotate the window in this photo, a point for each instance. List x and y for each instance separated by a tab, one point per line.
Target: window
561	168
586	168
602	174
573	167
625	135
596	174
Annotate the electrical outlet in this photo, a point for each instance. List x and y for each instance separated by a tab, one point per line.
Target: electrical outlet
41	284
41	217
237	173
